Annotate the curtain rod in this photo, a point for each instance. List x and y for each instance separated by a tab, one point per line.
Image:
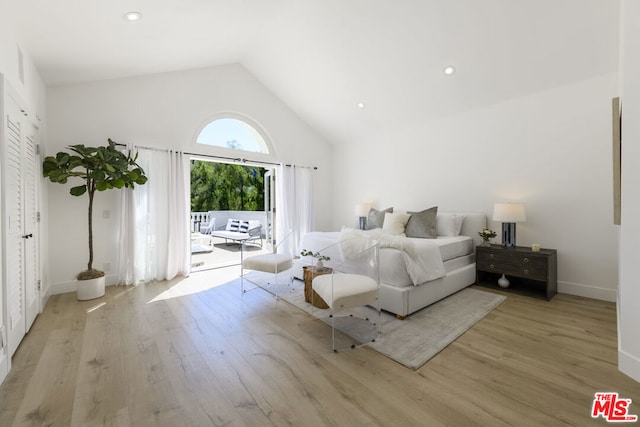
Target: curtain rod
243	160
234	159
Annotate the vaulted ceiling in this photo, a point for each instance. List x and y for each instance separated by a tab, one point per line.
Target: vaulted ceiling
324	57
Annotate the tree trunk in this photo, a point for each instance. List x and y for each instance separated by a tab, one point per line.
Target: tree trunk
91	192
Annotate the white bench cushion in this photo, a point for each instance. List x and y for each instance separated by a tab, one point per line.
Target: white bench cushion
271	263
349	290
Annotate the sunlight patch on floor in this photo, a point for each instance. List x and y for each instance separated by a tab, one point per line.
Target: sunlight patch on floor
199	282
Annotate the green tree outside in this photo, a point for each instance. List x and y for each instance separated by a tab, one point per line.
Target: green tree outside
221	186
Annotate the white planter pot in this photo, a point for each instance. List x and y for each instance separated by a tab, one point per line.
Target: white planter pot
90	289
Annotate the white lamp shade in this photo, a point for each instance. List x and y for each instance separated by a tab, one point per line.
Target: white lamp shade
362	209
509	212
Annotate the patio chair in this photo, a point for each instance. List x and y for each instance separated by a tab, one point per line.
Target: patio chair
209	226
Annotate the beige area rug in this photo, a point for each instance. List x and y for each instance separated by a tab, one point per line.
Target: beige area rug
422	335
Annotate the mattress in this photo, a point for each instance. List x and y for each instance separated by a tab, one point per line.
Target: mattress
456	252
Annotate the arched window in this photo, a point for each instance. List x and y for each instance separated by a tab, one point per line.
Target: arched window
234	134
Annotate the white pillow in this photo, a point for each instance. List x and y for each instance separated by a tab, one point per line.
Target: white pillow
394	223
449	224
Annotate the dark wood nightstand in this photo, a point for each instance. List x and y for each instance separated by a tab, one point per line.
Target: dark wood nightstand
530	273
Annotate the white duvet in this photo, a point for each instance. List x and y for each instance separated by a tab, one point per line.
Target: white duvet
423	263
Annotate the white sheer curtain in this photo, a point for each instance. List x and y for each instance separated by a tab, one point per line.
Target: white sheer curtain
154	231
294	203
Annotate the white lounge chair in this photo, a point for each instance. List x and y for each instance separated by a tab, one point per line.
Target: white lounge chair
240	231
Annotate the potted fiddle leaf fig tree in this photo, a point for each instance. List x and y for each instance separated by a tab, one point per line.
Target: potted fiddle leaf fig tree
98	169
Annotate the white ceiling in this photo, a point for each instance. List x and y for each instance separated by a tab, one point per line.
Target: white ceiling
322	57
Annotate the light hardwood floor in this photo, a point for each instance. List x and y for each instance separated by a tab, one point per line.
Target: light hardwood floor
179	354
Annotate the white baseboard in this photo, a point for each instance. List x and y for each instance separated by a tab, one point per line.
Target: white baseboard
587	291
629	365
71	286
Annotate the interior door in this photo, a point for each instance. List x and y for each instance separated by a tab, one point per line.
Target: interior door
14	226
21	166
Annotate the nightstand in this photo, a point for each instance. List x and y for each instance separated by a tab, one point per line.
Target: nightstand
530	273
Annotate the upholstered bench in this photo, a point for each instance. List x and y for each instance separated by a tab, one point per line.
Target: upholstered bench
274	263
343	291
269	263
346	291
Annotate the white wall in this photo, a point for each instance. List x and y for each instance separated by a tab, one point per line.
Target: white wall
32	90
629	291
551	150
164	110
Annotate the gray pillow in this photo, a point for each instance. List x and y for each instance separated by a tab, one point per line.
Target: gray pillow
422	224
376	218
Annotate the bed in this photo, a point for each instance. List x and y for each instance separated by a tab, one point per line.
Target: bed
398	294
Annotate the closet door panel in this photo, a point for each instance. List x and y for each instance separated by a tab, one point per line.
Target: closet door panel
14	197
30	173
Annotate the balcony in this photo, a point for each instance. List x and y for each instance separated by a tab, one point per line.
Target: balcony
212	252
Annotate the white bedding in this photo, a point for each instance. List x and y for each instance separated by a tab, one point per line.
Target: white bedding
421	257
454	252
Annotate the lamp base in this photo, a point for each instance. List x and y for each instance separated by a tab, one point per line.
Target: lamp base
508	234
362	222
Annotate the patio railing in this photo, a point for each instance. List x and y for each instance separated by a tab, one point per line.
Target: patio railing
221	218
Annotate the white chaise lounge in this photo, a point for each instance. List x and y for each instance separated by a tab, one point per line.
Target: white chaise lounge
240	231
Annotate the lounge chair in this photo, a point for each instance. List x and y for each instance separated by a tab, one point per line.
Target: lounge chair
240	231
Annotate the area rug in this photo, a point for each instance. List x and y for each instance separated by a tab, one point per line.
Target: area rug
422	335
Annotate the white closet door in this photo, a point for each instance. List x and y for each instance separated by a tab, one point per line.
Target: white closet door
31	261
14	197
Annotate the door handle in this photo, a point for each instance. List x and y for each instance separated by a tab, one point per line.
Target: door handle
26	236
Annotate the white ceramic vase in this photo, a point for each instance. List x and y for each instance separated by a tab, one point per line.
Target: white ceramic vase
503	282
90	289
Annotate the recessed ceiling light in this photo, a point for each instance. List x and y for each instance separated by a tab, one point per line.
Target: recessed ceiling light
360	104
449	70
132	16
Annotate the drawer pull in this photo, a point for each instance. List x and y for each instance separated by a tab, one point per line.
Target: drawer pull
526	260
492	256
526	272
491	266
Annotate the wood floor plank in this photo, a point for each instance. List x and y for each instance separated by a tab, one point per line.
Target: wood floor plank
186	352
49	396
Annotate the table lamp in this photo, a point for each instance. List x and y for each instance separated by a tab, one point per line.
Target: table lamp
361	211
509	214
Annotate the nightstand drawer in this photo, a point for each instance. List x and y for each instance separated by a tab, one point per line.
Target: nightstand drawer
510	269
514	257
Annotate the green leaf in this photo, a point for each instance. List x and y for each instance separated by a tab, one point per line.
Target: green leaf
101	185
79	190
62	158
97	175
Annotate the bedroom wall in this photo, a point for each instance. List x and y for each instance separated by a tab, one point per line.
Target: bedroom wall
32	90
629	291
164	110
550	150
